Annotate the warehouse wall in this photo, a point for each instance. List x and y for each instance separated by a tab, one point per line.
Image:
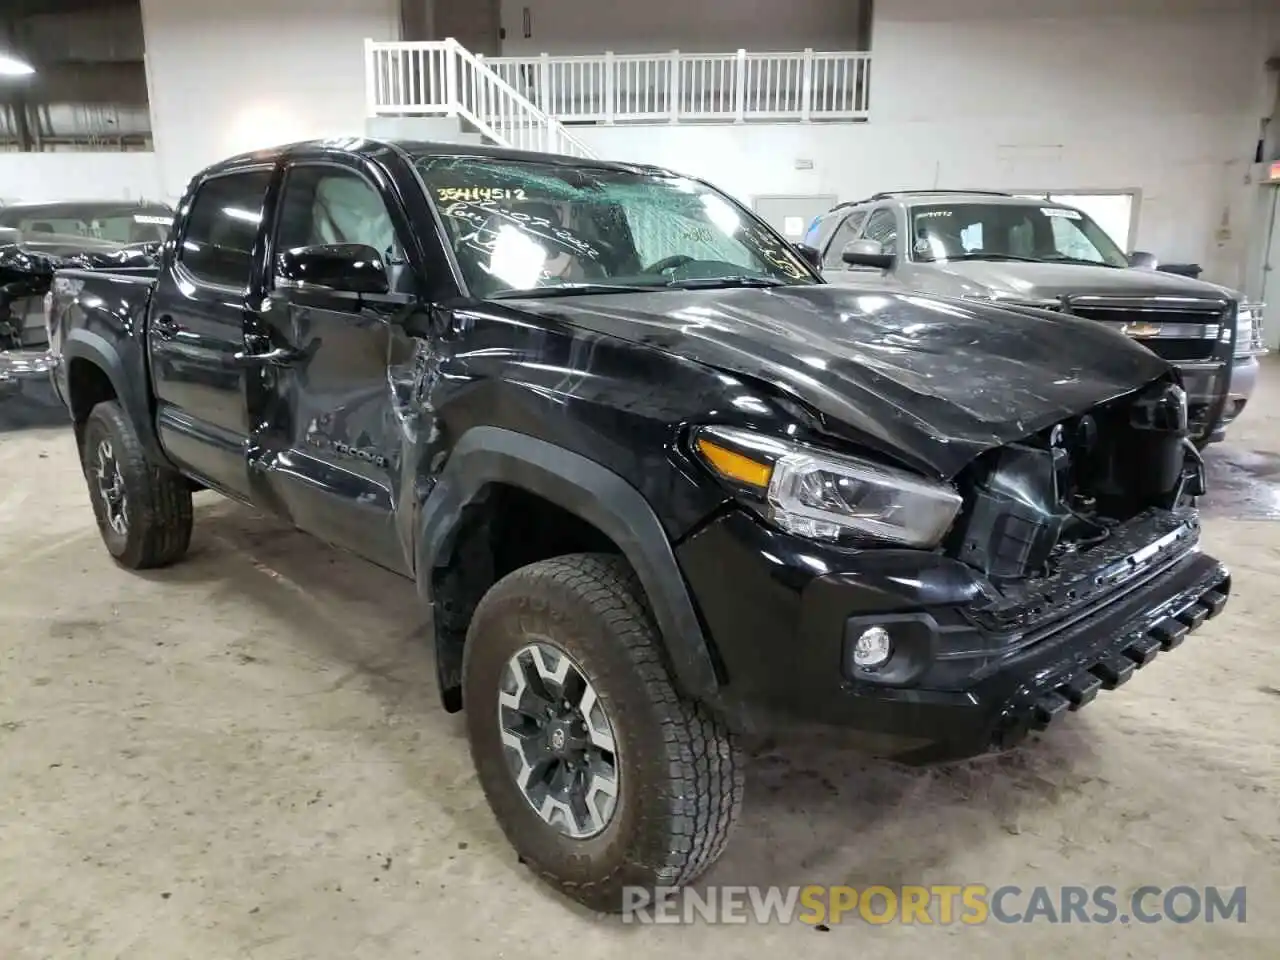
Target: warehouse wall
1165	96
1162	96
80	175
235	75
588	26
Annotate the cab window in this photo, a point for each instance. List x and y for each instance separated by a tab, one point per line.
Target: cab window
217	246
325	204
847	231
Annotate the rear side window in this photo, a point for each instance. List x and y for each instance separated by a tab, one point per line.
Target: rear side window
222	227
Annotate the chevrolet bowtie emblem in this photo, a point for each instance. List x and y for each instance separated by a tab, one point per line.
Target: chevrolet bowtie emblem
1141	329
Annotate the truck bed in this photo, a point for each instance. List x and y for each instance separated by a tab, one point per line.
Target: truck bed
28	330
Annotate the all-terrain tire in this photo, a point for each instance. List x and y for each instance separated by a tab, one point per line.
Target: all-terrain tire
157	516
680	782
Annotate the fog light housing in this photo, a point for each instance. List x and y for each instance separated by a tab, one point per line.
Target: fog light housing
873	648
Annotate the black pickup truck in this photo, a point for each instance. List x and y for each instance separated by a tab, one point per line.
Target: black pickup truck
658	483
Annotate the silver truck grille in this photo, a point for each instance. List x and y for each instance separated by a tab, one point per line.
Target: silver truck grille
1175	328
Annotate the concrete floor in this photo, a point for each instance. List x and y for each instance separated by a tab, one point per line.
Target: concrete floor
243	757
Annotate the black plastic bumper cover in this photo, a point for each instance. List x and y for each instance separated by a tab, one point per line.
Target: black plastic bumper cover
782	638
1077	681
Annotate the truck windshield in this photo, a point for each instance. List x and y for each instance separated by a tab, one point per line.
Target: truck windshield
1041	232
113	222
521	226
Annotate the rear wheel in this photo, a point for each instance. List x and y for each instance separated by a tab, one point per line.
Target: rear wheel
601	775
143	510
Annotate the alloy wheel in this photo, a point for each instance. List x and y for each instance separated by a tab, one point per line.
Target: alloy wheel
110	484
560	742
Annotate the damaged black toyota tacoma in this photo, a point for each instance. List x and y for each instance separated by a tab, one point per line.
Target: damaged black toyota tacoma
657	482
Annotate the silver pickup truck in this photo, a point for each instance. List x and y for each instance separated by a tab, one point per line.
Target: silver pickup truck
1032	252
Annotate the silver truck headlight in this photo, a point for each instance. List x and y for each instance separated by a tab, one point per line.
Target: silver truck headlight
1249	341
827	496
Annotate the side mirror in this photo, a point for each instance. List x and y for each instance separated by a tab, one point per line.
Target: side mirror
809	255
1143	261
345	267
866	253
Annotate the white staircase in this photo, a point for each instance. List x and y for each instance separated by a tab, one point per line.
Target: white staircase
439	90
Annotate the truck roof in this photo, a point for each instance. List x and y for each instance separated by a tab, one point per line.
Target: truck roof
948	196
368	146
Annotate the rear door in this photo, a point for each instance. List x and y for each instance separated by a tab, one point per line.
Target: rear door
332	421
196	330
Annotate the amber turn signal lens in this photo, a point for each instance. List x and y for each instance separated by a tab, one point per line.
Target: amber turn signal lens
734	466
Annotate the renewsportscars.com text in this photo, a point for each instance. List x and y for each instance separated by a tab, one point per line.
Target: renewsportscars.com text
941	904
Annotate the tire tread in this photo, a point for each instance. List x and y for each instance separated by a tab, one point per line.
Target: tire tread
705	764
159	498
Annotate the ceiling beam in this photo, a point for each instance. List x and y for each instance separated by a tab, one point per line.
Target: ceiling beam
26	8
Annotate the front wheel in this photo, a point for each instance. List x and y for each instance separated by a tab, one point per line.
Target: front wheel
143	510
600	774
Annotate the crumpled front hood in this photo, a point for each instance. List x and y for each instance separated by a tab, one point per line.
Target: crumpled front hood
931	381
1050	281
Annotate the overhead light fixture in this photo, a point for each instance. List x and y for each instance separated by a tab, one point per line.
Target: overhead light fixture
13	67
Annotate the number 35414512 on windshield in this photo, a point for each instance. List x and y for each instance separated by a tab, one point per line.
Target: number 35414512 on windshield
478	194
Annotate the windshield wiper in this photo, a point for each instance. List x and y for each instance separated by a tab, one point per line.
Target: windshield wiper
979	255
570	290
714	283
1081	260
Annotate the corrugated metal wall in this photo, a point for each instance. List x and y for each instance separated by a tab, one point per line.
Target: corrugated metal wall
89	91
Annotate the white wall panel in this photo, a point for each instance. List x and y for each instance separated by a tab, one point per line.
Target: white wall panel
1161	97
80	175
238	75
589	26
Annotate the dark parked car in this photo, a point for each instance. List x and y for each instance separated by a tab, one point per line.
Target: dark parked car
1038	253
658	483
38	238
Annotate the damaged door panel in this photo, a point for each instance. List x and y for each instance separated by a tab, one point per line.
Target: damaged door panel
331	403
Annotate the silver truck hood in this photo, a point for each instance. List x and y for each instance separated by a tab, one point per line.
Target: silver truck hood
1049	281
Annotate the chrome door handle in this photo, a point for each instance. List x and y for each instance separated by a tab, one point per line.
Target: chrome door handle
277	356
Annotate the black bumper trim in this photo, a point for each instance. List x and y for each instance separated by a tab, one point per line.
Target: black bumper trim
1143	651
1170	633
1215	601
1080	690
1114	671
1110	671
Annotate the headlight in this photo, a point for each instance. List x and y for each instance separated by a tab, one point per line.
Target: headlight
826	496
1249	342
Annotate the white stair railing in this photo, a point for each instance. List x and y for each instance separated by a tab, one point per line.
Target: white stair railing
443	78
675	87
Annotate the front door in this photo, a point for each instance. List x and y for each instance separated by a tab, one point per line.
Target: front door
196	331
331	423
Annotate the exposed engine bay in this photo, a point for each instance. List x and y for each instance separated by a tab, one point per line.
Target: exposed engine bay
1031	506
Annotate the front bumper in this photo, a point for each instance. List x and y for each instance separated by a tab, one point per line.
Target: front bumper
974	668
1244	377
19	365
1207	384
